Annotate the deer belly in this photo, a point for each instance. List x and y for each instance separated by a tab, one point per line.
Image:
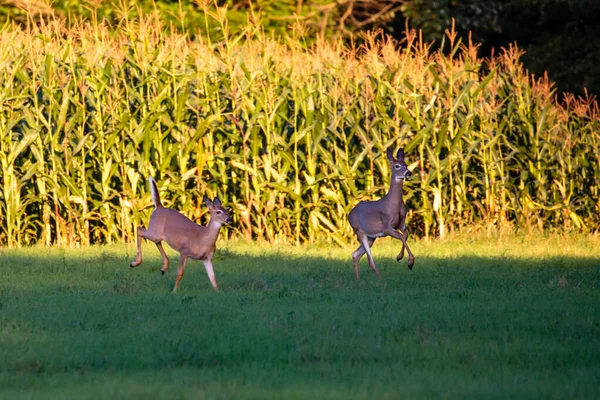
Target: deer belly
375	235
201	256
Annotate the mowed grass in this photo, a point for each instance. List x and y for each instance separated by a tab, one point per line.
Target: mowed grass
476	318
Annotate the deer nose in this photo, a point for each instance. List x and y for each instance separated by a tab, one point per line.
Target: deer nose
229	220
408	174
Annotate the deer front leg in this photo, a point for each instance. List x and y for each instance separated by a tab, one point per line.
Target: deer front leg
182	260
402	231
211	275
356	256
165	259
364	241
141	232
405	234
394	233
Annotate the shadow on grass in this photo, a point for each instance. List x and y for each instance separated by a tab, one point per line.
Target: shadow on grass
301	325
272	271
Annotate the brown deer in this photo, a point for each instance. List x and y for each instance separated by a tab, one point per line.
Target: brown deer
188	238
383	217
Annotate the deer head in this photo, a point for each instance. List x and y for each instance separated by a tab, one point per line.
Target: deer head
398	167
218	213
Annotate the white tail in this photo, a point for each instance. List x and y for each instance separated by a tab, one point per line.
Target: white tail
383	217
154	193
188	238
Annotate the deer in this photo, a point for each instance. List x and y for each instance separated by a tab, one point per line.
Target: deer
189	239
374	219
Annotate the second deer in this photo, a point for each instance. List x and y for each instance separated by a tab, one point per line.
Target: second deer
383	217
182	234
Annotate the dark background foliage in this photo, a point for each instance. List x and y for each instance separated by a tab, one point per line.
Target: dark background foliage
558	36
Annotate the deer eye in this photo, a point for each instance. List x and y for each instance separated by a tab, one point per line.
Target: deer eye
397	166
219	212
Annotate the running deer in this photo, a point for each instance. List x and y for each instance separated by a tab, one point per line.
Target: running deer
383	217
188	238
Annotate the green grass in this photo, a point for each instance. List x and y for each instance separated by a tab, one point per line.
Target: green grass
476	318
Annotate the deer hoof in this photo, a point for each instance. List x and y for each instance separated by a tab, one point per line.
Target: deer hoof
162	272
410	265
133	265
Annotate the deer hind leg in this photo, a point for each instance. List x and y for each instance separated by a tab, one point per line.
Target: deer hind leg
366	245
357	255
411	257
147	234
165	259
182	260
141	233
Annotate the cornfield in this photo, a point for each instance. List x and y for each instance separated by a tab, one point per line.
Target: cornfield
290	138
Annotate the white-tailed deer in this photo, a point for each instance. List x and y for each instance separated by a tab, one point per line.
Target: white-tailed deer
188	238
383	217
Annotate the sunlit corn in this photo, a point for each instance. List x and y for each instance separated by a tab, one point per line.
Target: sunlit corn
290	139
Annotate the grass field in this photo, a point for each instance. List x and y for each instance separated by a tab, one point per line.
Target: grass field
476	318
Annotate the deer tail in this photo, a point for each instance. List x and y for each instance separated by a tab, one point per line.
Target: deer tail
154	192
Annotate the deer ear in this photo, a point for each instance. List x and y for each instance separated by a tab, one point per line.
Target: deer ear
400	155
207	202
389	155
217	202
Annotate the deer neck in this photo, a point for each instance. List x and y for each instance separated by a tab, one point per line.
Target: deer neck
394	194
213	229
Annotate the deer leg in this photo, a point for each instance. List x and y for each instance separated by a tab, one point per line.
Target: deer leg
211	275
358	253
182	260
141	233
356	256
364	240
405	234
411	257
400	255
394	233
165	259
